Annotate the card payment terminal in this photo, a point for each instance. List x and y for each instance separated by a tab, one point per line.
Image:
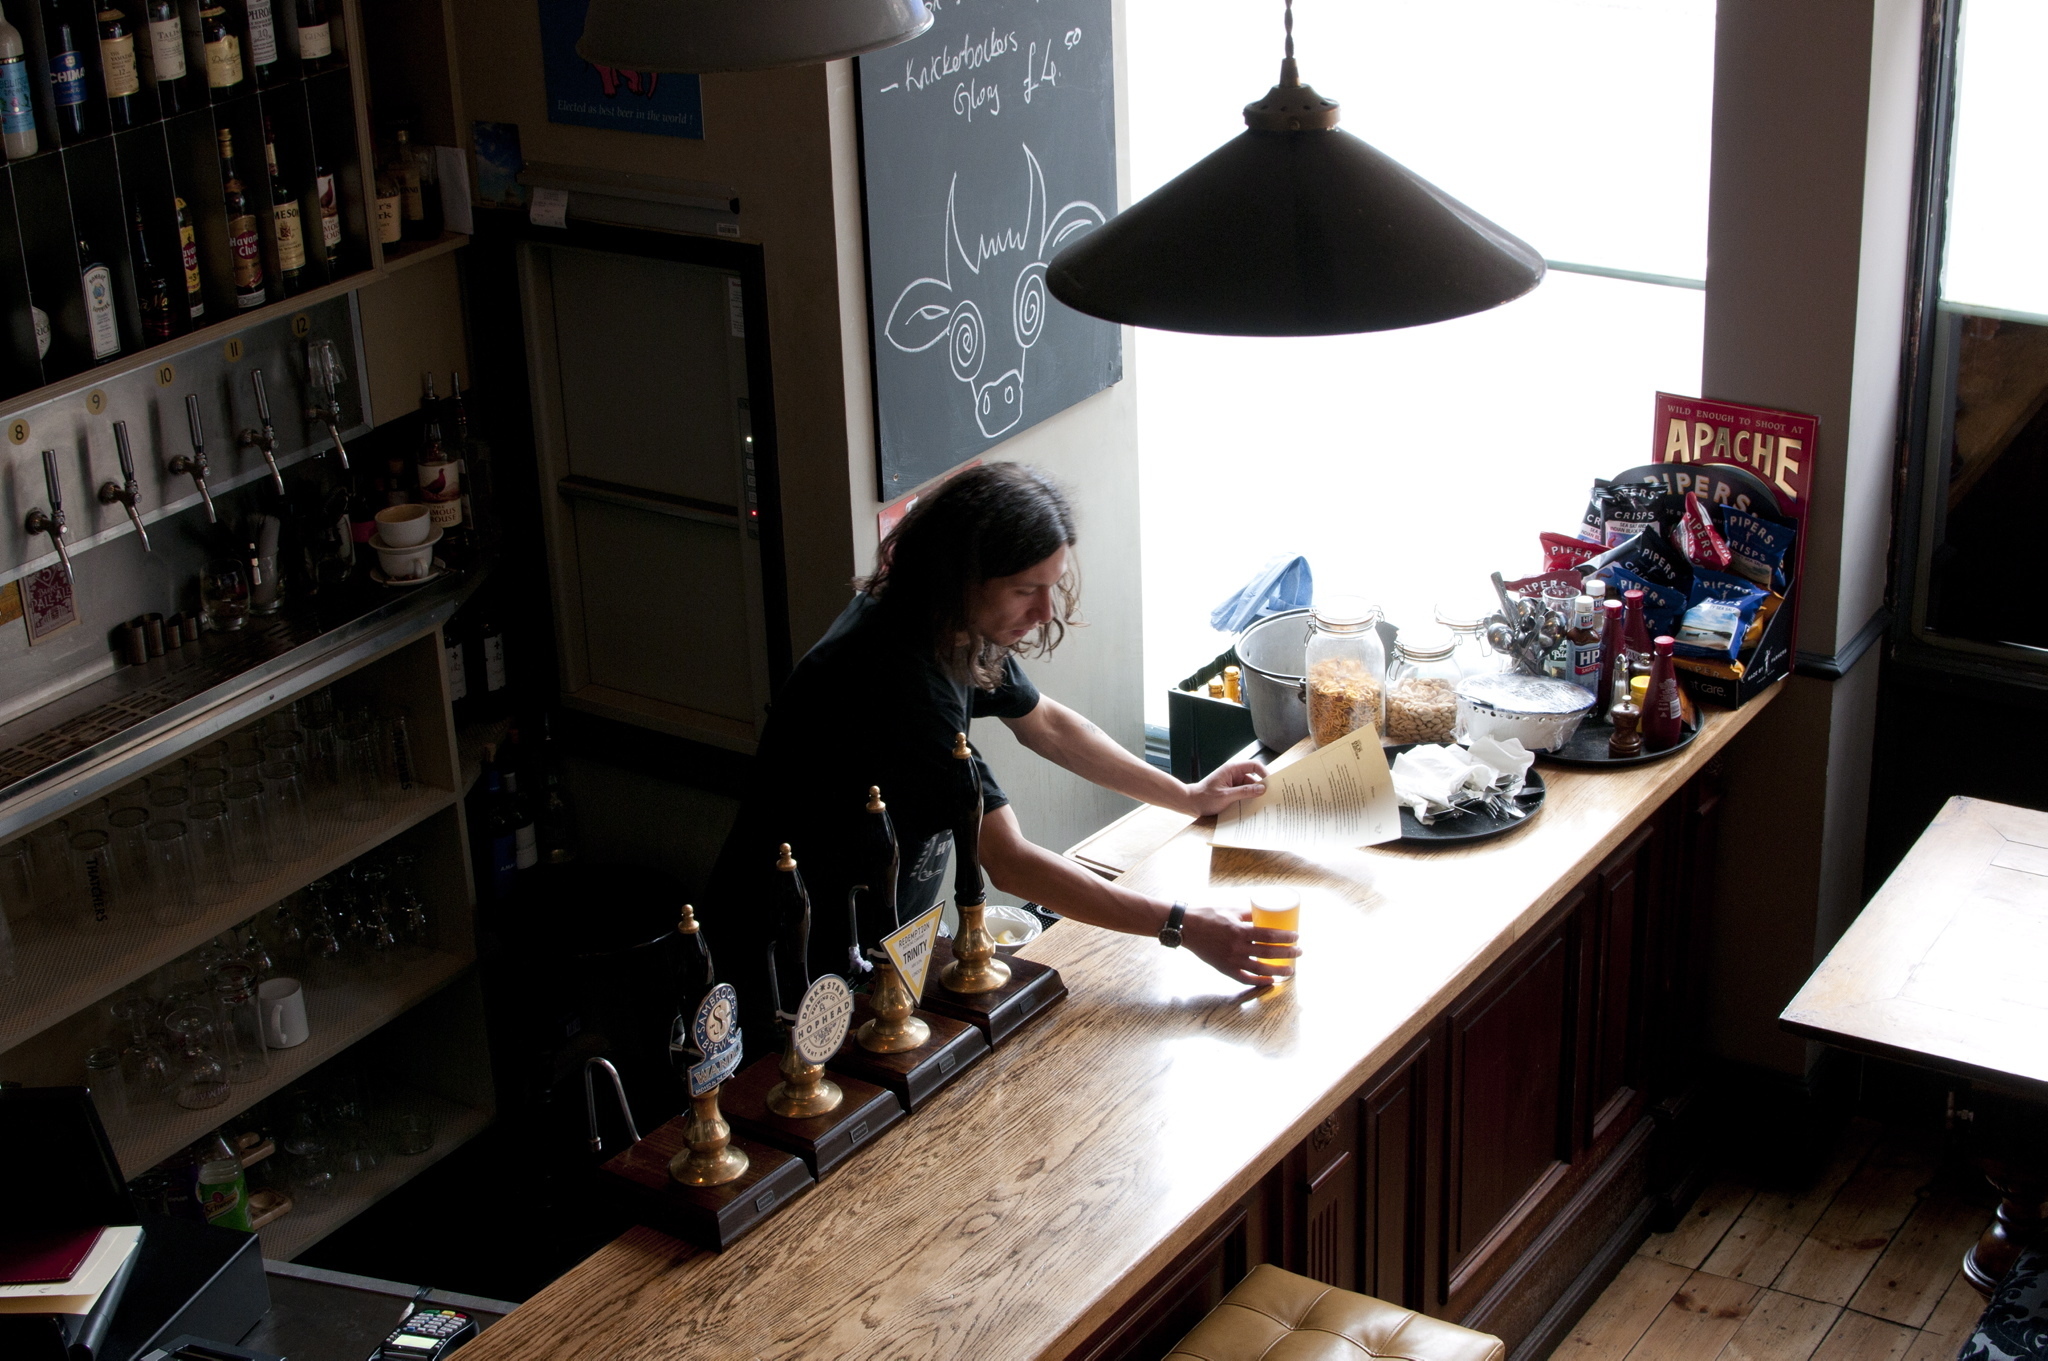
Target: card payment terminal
427	1335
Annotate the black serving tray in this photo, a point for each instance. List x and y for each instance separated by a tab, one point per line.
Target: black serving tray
1469	826
1588	746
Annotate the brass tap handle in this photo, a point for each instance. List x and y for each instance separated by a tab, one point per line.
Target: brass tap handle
196	464
51	522
128	491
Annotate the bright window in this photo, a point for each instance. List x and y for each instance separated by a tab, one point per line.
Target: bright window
1407	465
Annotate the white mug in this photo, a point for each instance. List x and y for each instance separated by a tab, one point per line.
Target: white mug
284	1012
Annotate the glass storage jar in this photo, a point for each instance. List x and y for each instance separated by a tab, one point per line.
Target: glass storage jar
1347	671
1422	687
1471	652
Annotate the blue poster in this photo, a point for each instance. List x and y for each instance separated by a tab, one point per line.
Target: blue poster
665	104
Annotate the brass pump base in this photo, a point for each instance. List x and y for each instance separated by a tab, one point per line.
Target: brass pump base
709	1158
804	1091
895	1025
975	967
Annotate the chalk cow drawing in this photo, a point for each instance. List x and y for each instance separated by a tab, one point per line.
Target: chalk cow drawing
934	310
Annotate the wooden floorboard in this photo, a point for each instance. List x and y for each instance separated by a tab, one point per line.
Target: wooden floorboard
1698	1321
1860	1263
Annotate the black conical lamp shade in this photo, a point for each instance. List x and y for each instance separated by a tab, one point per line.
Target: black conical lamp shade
1293	229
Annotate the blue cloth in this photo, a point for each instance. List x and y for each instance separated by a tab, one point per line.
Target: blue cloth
1281	585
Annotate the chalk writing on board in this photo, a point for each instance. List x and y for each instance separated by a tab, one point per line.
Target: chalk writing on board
931	310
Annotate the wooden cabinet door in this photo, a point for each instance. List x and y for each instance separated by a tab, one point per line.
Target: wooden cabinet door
1329	1201
1399	1123
1510	1043
1613	930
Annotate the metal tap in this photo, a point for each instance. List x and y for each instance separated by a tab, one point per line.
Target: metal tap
127	490
52	521
324	375
265	437
196	464
590	1066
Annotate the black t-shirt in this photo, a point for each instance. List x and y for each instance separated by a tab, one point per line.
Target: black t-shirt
865	707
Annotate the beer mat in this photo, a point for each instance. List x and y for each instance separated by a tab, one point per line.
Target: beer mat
37	1258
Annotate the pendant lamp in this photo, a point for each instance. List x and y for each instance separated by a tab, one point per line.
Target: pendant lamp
1293	229
742	35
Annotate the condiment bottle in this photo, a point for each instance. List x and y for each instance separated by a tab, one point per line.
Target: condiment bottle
1583	643
1627	740
1610	653
1665	712
1635	633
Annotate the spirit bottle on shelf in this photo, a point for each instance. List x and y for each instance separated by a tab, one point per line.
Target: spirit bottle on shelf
495	698
284	218
525	836
188	257
17	105
152	288
167	56
474	459
263	43
390	210
440	477
316	37
223	52
242	238
557	821
96	282
67	72
117	67
501	837
330	213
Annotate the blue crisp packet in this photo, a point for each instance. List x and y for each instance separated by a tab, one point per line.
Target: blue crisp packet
1662	605
1760	546
1719	616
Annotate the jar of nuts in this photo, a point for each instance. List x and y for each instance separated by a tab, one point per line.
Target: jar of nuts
1422	687
1347	669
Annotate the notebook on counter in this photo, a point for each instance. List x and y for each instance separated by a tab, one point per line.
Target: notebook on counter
34	1258
106	1251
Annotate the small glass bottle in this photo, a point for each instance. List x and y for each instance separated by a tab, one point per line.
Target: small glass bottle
1422	687
1347	671
1583	643
17	105
1664	714
1635	634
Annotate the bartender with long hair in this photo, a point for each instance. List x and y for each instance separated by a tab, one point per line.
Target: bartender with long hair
978	574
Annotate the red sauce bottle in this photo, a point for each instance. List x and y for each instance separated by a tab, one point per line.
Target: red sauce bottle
1663	713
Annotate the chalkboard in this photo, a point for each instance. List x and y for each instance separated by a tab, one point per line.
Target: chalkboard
987	145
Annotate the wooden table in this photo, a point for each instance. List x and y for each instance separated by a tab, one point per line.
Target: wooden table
1034	1202
1945	970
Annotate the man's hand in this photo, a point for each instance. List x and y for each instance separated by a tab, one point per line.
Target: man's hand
1225	943
1230	784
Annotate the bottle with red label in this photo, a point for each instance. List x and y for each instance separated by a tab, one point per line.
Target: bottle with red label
1635	635
440	475
1664	709
243	240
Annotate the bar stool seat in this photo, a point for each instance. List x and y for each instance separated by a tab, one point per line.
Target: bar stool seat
1275	1315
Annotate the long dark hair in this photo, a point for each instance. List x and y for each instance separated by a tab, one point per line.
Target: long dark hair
993	521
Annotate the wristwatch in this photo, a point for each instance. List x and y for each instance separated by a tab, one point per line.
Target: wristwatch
1169	934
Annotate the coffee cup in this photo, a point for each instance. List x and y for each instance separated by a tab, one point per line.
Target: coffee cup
283	1005
405	526
405	564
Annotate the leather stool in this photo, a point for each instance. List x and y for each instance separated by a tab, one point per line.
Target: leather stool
1275	1315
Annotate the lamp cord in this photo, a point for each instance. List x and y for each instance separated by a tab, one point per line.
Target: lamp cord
1288	20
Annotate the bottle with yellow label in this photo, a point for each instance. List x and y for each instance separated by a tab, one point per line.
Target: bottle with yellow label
223	52
117	67
390	216
242	237
188	256
284	220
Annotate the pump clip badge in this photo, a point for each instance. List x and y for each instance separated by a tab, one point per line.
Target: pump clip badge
715	1031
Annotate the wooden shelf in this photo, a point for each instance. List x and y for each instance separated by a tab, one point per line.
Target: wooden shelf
62	972
402	253
309	1221
336	1017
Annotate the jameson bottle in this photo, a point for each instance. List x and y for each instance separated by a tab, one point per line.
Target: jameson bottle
167	56
223	52
67	72
316	37
284	218
17	105
118	69
152	288
96	282
242	238
188	257
330	213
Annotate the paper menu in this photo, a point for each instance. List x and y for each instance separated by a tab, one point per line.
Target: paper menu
1341	795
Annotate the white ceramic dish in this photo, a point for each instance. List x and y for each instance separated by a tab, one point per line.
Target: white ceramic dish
1540	712
405	526
438	569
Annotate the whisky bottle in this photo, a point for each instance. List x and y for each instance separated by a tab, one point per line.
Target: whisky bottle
188	257
316	37
96	282
242	237
152	288
284	219
329	203
167	55
390	214
440	478
263	43
17	105
223	52
117	67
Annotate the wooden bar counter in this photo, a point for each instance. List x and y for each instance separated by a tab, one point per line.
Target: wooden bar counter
1470	1100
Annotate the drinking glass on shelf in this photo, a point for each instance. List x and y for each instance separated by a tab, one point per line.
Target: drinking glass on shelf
103	1081
95	882
224	594
361	795
395	766
168	776
412	1132
167	801
240	1037
206	829
146	1066
18	901
243	760
199	1079
49	858
249	846
212	756
284	800
169	875
129	828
